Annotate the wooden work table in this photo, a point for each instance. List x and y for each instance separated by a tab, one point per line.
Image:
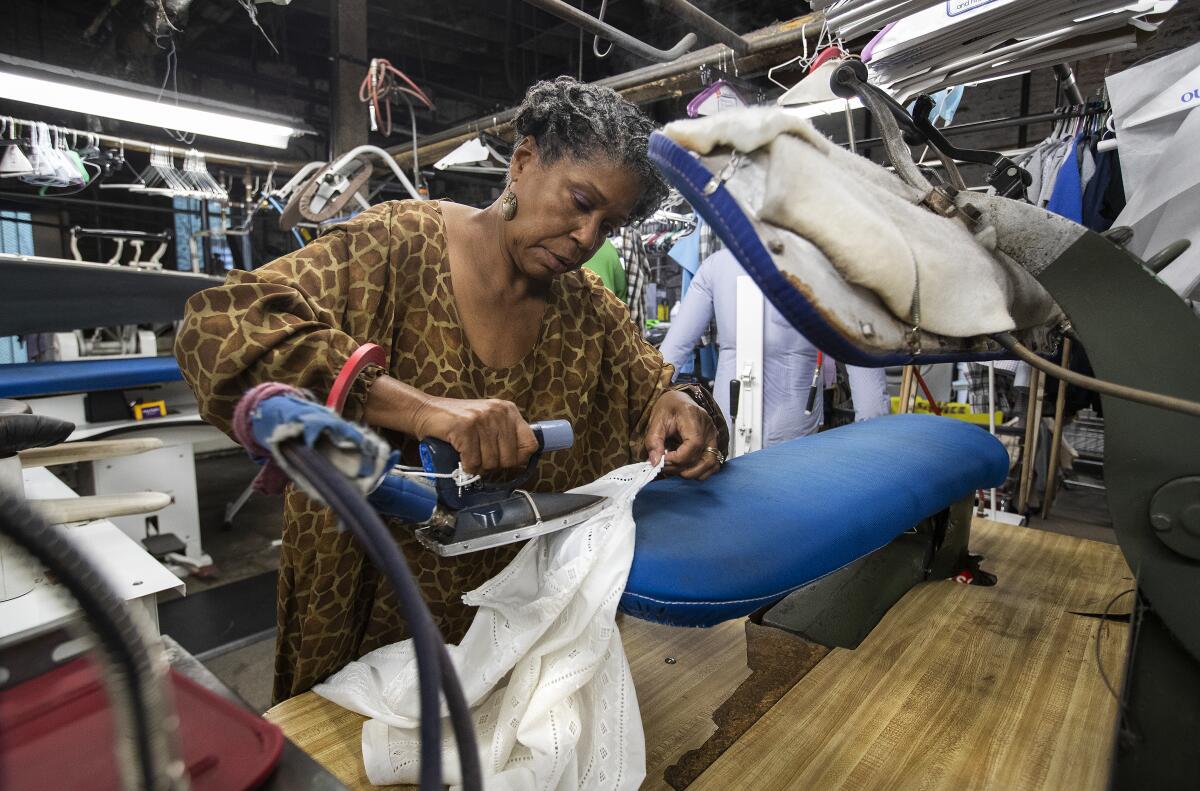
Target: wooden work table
958	687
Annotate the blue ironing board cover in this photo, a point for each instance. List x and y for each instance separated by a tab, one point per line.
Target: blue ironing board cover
690	176
775	520
24	380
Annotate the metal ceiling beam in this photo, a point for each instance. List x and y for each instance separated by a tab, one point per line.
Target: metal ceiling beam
768	46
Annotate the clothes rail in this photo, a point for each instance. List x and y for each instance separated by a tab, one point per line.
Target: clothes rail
1001	123
141	145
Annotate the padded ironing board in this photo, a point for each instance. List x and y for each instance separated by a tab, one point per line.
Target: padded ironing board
777	519
25	380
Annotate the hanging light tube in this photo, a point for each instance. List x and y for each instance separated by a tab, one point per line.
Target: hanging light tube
108	104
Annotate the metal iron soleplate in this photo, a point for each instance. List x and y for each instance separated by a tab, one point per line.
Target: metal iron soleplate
508	522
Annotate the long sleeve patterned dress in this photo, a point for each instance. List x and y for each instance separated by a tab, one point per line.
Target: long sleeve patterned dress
384	278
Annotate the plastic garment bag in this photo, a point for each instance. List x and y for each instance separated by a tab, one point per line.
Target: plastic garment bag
1159	139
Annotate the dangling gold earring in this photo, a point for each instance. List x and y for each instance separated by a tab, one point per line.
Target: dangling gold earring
508	205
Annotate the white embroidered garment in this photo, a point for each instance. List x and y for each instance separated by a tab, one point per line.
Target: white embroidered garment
542	667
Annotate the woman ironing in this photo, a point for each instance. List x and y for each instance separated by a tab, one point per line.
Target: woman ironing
488	323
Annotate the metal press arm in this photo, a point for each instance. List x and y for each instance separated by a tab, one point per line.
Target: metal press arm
388	160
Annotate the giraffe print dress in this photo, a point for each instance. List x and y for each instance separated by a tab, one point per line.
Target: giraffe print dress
384	278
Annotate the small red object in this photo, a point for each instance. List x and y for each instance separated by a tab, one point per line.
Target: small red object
825	54
58	733
367	354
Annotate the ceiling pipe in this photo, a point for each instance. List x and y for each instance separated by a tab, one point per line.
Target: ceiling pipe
575	16
767	47
695	18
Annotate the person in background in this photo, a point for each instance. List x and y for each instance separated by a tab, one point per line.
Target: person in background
606	263
788	357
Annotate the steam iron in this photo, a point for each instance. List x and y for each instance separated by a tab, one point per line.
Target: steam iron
481	515
455	513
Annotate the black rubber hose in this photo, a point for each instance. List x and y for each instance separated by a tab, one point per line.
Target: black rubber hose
136	688
433	661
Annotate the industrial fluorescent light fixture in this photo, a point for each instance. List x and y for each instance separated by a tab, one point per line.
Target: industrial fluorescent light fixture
123	107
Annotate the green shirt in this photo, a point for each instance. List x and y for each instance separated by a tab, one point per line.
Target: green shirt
607	264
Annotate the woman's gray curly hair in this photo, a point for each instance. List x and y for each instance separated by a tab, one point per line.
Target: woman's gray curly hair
567	117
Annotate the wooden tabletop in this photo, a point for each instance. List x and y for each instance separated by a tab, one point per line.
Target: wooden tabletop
958	687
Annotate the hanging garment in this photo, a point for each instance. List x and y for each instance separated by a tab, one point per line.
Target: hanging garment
685	251
1051	165
866	221
1104	196
542	667
1032	162
1067	198
637	274
606	263
1087	161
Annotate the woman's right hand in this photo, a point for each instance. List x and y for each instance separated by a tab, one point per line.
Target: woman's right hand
489	434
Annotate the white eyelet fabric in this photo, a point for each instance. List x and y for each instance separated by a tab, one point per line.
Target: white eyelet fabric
542	667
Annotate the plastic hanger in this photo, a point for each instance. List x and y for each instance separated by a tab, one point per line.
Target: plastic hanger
46	165
815	86
804	60
717	97
13	161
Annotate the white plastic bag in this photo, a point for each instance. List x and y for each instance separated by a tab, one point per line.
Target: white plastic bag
542	667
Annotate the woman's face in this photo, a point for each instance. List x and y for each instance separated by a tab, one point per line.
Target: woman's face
565	210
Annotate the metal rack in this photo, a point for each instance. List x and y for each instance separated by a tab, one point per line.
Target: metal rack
1086	435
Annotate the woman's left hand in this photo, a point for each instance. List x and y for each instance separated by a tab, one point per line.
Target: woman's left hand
676	416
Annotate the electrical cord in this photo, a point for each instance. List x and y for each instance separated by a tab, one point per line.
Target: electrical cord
384	80
145	728
416	165
1137	395
433	660
171	76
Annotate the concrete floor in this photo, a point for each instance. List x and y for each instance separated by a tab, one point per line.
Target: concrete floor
246	549
242	550
248	672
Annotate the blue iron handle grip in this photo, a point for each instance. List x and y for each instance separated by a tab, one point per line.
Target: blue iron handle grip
553	434
438	456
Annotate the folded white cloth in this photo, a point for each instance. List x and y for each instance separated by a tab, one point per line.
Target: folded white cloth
542	667
866	221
